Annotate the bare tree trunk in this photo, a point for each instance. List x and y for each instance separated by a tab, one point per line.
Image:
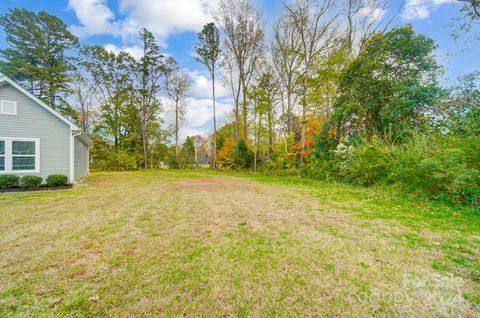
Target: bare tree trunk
176	128
245	112
84	118
52	99
304	116
214	123
284	129
196	151
151	156
117	130
236	97
289	113
237	121
350	28
256	130
270	133
145	144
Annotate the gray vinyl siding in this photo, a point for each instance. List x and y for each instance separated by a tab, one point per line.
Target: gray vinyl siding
33	121
81	159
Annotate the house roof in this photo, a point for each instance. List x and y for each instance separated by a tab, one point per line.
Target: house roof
206	160
5	79
84	138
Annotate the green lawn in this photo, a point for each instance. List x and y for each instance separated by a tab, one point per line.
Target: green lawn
206	244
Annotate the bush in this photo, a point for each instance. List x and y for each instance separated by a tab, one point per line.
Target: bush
30	182
243	155
439	167
118	161
8	181
174	163
366	165
57	180
319	169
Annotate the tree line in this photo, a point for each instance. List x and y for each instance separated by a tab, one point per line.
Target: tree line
331	90
112	96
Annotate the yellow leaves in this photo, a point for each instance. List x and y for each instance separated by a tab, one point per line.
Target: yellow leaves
314	124
226	155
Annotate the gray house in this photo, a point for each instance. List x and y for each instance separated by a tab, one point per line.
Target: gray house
35	139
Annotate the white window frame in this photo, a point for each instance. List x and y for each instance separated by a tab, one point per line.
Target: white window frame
3	112
9	156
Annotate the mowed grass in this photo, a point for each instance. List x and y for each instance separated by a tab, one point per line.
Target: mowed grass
207	244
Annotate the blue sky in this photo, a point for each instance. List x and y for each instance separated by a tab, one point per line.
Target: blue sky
115	24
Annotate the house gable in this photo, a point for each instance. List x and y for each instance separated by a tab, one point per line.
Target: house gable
4	80
33	121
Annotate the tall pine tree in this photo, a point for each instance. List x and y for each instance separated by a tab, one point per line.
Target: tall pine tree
37	54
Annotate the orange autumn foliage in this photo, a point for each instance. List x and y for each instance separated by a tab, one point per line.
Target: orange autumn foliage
313	125
226	155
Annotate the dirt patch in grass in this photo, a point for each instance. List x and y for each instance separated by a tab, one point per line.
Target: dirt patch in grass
171	244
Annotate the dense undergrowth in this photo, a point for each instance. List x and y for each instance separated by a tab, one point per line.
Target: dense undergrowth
444	168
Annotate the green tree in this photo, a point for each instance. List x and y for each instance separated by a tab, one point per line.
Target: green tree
112	75
149	69
188	152
386	89
225	133
37	54
208	50
460	111
263	95
243	155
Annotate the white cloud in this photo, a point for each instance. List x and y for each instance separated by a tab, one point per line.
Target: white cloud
200	112
421	9
199	116
199	119
95	18
135	51
373	14
202	86
163	18
166	17
186	132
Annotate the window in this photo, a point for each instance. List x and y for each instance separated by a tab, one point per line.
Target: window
19	155
23	155
8	107
2	155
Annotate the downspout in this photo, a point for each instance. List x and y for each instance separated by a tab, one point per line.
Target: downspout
74	134
88	159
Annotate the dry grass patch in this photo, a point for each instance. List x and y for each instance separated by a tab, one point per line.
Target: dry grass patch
201	245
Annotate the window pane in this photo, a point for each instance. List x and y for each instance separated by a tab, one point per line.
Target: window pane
23	148
2	147
2	163
23	163
8	107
